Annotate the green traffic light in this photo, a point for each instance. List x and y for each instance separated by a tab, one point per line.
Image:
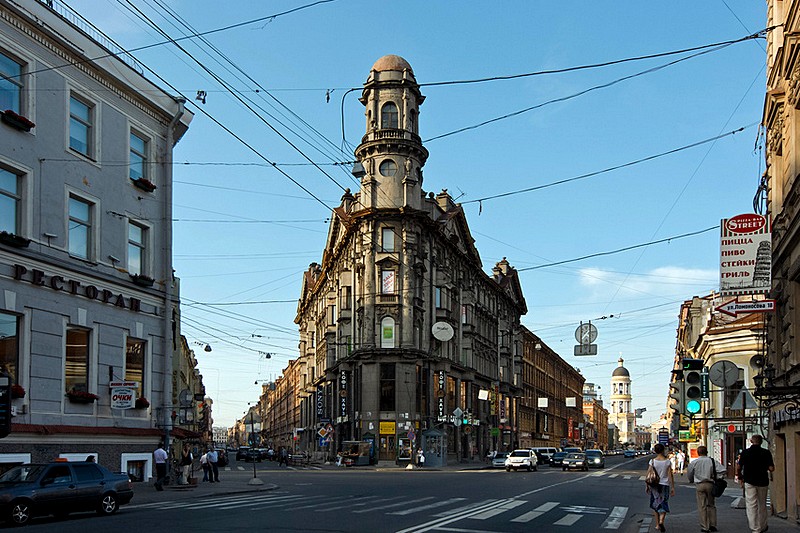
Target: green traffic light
693	407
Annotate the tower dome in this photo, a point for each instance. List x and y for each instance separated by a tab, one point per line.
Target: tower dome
391	62
620	371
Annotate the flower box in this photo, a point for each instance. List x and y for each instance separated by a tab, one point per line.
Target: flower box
16	121
17	391
142	280
14	240
78	396
144	184
141	403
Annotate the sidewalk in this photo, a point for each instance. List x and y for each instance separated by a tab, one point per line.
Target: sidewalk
729	517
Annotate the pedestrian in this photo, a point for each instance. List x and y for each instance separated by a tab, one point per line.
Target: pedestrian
283	457
160	459
213	469
660	492
204	465
186	463
680	458
420	458
91	459
702	472
753	472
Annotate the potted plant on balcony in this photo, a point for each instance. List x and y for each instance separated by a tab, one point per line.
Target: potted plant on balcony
80	396
142	280
141	403
144	184
14	240
16	120
17	391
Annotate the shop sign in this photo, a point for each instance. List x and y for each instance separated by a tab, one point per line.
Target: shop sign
123	397
745	255
440	403
782	417
388	428
320	401
343	393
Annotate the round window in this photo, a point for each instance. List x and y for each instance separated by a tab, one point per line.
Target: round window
388	168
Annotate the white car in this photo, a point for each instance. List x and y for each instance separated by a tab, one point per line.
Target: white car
522	459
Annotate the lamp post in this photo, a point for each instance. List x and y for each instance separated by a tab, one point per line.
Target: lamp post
255	480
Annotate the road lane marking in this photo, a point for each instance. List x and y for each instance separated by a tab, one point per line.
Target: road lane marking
615	518
394	505
641	478
457	511
626	477
645	527
433	505
568	520
437	524
613	476
336	507
498	510
536	513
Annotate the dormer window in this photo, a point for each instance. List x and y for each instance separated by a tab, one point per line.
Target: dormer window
389	115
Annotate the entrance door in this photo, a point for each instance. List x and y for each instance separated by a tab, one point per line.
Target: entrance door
733	447
388	452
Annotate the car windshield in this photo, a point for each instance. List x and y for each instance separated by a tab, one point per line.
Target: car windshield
22	474
572	450
521	453
594	453
500	455
575	456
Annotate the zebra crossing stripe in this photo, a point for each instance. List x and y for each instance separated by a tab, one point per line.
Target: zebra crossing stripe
394	505
641	478
498	510
433	505
337	507
615	518
568	520
611	476
461	510
626	477
536	513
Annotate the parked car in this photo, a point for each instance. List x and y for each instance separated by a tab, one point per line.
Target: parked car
575	460
521	459
629	453
241	453
61	488
499	460
595	459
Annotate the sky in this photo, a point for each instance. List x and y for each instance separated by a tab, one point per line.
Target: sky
617	156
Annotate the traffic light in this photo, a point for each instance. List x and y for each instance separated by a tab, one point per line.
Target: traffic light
692	376
676	392
5	405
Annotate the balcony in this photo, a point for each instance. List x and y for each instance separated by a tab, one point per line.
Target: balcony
390	133
388	298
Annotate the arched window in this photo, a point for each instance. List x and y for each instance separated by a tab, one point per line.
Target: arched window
412	119
387	332
389	115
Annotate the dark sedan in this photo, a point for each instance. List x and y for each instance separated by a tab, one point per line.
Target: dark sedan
61	488
595	459
576	460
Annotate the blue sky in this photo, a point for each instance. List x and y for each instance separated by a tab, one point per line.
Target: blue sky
244	232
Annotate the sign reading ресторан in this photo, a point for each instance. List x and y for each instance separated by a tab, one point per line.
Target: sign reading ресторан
745	255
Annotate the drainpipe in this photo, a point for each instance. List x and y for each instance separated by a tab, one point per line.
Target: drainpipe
169	308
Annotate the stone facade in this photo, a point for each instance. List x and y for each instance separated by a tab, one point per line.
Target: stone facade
86	283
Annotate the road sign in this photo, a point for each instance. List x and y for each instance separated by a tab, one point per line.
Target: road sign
322	433
743	396
412	435
735	307
585	349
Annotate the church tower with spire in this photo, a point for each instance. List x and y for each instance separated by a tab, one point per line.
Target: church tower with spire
620	412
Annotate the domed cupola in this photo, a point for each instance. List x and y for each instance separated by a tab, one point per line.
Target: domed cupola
391	151
620	371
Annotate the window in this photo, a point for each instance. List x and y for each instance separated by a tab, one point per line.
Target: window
387	387
9	202
9	345
345	295
387	282
134	362
331	315
10	84
387	239
87	472
138	157
388	168
437	297
137	249
80	228
76	373
412	119
389	115
387	332
80	126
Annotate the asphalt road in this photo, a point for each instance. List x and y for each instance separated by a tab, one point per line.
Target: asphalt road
309	500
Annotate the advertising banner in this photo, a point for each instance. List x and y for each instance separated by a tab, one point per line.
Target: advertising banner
745	255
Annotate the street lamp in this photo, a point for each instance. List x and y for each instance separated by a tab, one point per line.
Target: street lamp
255	480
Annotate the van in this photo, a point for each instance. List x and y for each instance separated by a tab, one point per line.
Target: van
545	454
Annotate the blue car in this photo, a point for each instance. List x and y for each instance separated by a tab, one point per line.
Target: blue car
629	453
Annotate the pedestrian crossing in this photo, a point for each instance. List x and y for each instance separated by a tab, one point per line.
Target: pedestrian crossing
242	468
437	511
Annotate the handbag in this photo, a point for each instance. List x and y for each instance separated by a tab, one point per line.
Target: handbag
719	484
652	478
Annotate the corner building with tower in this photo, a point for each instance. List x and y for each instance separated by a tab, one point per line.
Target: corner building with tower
400	327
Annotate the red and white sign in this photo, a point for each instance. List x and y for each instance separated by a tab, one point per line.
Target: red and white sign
745	255
735	307
123	398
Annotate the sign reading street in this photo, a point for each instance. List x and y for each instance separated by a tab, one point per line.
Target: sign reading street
735	307
745	255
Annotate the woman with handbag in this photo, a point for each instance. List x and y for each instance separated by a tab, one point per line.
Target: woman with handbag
704	472
660	485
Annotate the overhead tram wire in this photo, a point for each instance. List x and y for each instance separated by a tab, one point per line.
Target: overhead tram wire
243	100
259	88
609	169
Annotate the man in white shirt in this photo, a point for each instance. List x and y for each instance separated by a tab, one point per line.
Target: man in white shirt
702	473
213	470
160	459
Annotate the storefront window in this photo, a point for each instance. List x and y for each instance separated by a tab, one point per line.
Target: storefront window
77	360
387	402
9	345
134	362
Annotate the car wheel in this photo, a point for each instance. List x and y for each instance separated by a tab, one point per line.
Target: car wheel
108	504
536	468
563	468
21	512
508	469
529	469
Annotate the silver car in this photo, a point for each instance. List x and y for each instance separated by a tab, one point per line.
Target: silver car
522	459
499	460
